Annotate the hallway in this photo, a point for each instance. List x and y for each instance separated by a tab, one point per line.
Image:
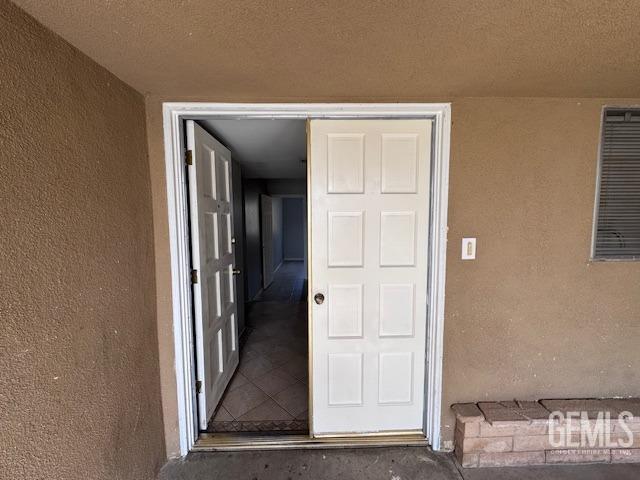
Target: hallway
269	391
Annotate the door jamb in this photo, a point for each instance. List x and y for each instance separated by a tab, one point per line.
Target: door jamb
173	115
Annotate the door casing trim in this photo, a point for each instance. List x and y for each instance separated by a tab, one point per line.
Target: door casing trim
173	115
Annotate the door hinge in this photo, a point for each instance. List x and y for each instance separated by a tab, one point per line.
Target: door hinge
194	276
188	157
198	386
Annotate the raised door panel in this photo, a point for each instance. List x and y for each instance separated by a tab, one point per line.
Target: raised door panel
345	163
397	239
345	235
345	310
399	163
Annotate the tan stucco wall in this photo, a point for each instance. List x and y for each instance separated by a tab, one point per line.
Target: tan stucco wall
79	382
531	317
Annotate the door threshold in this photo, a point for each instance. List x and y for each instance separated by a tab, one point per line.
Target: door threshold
209	442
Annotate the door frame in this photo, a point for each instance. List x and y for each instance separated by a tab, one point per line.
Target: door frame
174	114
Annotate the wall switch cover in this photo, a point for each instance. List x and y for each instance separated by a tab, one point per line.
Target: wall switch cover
468	249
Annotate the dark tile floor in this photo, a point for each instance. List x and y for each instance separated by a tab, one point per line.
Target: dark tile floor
269	390
288	286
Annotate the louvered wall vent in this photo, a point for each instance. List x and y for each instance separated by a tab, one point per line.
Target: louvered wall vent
617	219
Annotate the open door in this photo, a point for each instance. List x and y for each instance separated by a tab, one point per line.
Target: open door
212	255
369	188
266	229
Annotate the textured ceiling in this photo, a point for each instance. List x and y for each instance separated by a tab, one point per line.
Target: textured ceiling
358	49
264	148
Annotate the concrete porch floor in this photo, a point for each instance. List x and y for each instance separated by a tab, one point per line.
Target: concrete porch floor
398	463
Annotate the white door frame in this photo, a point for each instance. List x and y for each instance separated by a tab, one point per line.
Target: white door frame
177	202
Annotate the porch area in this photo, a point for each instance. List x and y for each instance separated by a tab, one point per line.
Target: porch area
400	463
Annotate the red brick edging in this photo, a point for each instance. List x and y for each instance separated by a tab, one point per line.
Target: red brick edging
495	434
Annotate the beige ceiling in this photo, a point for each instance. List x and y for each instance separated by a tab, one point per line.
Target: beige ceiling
358	49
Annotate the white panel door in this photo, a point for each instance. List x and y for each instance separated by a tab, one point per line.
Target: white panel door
266	235
212	256
369	183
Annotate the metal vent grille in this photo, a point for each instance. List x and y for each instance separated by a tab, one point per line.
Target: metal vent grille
617	230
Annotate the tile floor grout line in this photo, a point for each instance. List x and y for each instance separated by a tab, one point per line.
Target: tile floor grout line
249	380
272	398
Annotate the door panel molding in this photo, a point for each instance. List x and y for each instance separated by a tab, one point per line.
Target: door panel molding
174	114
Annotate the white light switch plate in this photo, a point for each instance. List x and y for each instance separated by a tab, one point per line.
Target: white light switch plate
468	249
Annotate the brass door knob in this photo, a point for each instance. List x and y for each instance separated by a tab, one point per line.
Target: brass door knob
318	298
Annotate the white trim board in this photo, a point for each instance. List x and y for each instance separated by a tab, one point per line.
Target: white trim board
173	116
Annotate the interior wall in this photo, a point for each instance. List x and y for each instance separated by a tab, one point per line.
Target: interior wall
239	235
287	186
79	388
276	208
294	244
253	245
531	317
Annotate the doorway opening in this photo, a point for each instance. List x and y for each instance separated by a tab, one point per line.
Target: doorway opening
257	384
369	150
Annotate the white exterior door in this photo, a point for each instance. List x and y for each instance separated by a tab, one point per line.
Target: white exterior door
212	255
369	183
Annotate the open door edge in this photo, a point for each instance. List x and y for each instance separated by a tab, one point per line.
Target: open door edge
309	287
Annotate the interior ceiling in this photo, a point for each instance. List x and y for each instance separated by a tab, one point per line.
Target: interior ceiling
265	148
341	50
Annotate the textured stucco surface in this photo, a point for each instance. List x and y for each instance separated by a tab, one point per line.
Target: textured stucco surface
79	383
531	317
342	49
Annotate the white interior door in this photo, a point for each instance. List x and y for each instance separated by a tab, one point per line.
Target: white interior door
266	234
212	255
370	222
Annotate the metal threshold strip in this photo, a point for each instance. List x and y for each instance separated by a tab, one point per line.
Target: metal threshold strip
209	442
